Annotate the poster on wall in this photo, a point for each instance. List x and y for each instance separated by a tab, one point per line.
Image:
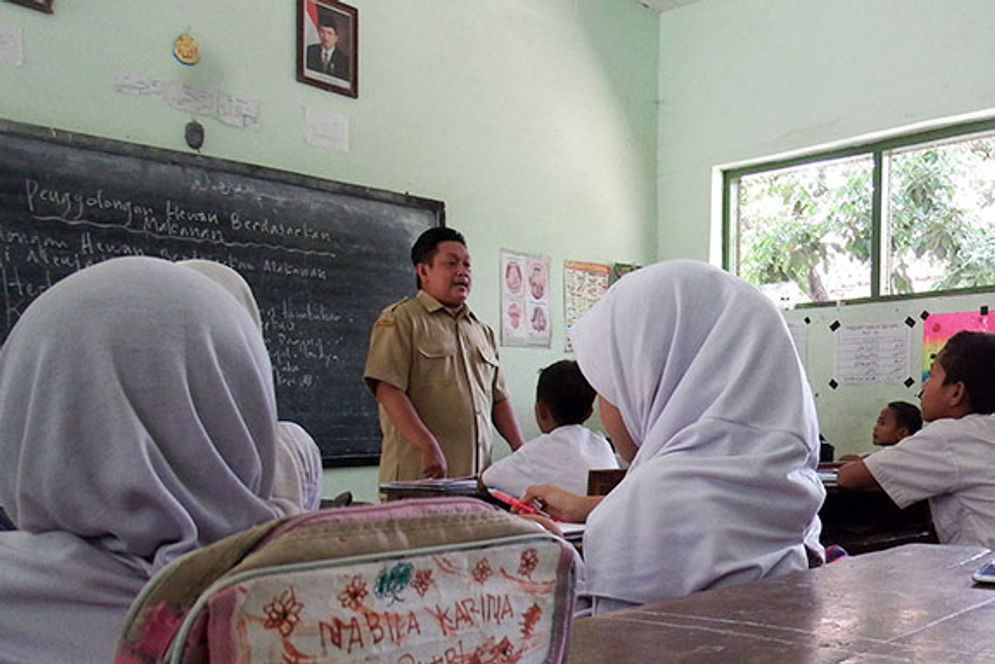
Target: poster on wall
583	284
937	328
877	353
525	319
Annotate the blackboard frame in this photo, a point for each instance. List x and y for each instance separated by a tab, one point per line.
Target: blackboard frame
433	210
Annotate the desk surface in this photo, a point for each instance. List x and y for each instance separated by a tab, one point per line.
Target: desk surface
913	603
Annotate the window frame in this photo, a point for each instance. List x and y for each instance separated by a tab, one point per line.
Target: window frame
876	150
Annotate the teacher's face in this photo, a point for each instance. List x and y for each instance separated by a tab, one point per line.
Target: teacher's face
447	277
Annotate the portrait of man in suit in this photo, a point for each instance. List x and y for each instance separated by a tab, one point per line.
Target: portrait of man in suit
328	46
326	57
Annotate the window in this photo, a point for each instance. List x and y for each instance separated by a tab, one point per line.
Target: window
914	214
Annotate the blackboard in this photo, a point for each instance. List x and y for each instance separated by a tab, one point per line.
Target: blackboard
323	258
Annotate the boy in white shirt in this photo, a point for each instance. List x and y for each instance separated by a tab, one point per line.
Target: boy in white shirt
566	450
951	461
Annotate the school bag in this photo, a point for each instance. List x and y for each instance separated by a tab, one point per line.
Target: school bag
419	581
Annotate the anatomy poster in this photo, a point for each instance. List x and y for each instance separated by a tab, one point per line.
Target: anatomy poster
525	319
583	284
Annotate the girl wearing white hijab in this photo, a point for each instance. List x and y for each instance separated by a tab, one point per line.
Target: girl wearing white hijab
137	423
699	383
298	476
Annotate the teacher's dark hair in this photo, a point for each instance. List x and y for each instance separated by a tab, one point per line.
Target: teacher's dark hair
427	245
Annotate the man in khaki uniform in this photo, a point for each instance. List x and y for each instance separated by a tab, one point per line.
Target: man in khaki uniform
433	368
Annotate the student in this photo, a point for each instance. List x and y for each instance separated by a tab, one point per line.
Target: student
137	423
951	461
897	420
566	450
298	475
699	384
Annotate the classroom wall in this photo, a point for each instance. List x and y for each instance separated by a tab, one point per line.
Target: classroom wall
745	79
534	121
847	411
741	80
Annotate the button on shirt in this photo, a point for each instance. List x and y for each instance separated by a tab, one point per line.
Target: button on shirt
447	365
952	463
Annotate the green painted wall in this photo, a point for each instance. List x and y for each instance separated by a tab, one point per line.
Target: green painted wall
745	79
534	120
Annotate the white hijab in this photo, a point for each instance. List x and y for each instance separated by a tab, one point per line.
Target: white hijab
723	488
137	423
297	484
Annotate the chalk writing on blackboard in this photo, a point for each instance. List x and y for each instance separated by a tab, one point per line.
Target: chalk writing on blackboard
323	258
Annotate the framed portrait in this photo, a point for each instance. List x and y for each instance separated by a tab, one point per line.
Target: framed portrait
40	5
327	46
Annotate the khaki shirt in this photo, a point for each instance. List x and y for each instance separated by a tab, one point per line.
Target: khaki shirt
447	365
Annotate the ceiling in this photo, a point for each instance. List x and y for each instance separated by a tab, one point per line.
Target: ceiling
664	5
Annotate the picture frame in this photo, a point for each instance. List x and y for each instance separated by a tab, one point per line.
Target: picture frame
328	46
40	5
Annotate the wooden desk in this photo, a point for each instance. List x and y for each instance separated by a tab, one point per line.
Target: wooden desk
863	520
913	603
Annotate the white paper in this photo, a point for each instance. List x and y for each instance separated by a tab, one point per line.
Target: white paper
235	111
11	46
326	130
872	353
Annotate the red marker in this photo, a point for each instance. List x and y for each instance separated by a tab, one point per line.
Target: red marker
519	506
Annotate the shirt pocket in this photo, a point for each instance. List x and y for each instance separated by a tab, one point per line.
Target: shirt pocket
436	364
487	365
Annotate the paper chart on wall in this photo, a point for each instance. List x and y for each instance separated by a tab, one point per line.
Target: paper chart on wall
525	316
583	285
877	353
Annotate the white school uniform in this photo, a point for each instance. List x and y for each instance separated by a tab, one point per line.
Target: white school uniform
952	463
137	423
562	457
723	488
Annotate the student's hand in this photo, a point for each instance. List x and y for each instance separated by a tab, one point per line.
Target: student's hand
560	503
433	462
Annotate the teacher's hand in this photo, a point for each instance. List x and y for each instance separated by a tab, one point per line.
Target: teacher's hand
433	462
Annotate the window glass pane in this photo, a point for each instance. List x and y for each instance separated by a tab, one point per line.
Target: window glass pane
941	216
804	233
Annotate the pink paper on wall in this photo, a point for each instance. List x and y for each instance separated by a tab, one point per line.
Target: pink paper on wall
937	328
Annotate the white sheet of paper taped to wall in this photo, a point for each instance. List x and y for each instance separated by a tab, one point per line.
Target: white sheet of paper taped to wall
872	353
326	130
11	46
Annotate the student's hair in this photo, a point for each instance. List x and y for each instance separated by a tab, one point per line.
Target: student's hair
906	415
969	357
427	245
563	389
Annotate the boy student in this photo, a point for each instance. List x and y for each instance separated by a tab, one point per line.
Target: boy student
433	368
566	450
951	461
897	420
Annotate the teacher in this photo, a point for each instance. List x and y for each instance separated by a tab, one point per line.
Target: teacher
433	368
